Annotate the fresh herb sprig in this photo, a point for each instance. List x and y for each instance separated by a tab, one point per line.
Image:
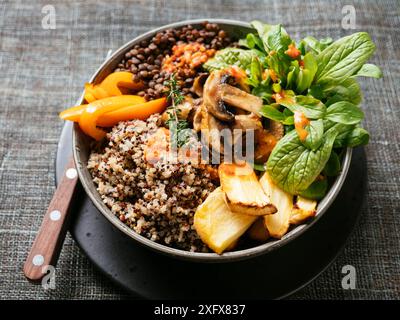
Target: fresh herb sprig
174	94
179	127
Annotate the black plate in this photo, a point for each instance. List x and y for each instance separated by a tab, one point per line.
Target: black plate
277	274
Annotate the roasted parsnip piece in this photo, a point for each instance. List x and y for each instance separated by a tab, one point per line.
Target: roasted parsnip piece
258	231
232	246
217	225
278	223
302	210
244	193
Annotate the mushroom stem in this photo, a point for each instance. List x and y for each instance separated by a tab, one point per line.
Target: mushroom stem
240	99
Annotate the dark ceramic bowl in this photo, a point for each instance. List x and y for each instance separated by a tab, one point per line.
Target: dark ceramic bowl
81	150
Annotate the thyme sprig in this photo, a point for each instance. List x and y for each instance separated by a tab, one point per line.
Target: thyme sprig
178	127
173	91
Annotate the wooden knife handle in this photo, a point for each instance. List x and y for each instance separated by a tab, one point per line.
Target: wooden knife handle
48	242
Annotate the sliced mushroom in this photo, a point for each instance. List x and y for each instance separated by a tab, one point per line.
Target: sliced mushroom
239	76
210	130
196	103
217	91
198	84
184	110
265	142
212	97
242	124
247	122
197	117
240	112
215	114
277	130
240	99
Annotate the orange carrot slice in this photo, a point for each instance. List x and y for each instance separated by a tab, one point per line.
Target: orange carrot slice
74	113
136	111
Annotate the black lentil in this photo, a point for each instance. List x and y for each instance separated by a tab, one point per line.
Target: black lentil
144	60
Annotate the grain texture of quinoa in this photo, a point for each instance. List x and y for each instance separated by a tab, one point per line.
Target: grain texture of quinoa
157	200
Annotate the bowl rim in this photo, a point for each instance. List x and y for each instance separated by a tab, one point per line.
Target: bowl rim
264	248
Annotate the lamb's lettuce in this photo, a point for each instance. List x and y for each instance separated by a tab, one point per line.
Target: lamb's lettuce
332	167
348	135
256	70
312	108
321	83
230	57
357	137
291	164
369	70
315	134
349	90
276	39
306	74
315	45
317	189
344	112
275	42
344	58
293	167
293	73
252	41
353	136
263	91
272	112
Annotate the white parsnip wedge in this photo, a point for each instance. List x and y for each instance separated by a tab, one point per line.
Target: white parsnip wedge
278	223
244	193
232	246
302	210
217	225
258	231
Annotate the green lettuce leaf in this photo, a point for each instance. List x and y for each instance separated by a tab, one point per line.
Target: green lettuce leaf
344	112
315	45
332	167
256	70
344	58
252	41
369	70
315	134
316	190
354	136
349	90
293	167
275	41
311	107
230	57
306	74
273	113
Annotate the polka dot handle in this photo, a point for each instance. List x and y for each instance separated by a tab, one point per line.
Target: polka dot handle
48	242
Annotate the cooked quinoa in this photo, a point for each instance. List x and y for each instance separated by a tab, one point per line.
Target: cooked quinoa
156	200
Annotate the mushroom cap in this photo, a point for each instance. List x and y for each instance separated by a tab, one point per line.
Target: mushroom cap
212	97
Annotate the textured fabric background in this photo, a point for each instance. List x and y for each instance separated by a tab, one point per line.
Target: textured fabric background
42	72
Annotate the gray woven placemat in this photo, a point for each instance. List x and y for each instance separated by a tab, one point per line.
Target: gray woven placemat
42	72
